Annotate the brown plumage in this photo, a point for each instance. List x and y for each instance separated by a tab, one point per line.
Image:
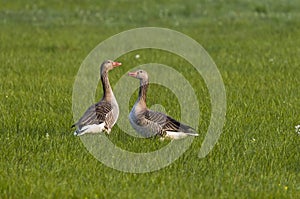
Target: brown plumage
151	123
103	115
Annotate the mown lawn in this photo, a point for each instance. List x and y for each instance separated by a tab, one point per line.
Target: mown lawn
256	46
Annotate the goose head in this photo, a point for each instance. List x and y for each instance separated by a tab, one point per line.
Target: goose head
139	74
109	65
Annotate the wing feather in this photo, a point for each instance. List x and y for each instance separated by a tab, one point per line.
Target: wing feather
95	114
166	123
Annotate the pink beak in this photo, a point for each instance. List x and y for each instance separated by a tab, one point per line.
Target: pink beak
132	74
116	64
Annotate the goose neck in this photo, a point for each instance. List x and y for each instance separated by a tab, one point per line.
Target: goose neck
107	91
143	92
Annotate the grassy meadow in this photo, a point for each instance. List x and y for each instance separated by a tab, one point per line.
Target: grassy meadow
256	46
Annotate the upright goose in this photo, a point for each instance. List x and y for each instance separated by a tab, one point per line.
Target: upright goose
102	116
151	123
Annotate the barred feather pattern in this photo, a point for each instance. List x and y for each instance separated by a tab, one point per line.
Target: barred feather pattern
96	114
102	115
151	123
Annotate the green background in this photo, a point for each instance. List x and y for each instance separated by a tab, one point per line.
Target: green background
256	46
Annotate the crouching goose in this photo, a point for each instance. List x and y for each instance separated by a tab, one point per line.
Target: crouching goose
151	123
101	116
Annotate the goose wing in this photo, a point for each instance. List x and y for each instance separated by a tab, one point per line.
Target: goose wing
96	114
166	123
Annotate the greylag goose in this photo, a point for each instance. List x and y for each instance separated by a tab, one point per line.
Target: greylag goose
151	123
102	116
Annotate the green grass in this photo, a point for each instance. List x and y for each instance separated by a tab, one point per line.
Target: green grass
256	46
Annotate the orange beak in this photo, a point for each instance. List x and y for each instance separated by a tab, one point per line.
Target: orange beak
116	64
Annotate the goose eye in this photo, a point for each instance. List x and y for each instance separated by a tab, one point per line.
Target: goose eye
141	71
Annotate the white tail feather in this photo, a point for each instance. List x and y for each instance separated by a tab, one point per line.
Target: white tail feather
179	135
93	128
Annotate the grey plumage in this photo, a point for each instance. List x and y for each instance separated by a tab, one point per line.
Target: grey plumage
103	115
96	114
152	123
